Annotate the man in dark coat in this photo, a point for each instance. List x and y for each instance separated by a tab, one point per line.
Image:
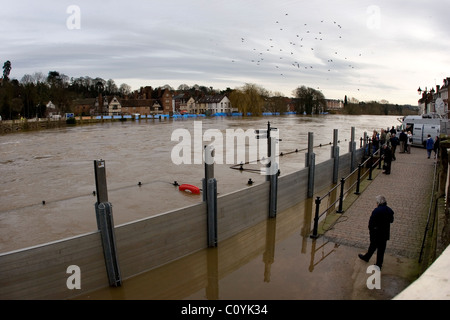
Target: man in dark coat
387	156
379	230
402	139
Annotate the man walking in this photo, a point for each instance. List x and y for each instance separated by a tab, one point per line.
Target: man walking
379	230
429	145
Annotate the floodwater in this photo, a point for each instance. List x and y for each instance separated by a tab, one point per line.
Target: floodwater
47	177
276	259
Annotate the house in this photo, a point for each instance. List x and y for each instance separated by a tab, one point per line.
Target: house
213	104
109	106
190	105
443	92
114	106
137	106
83	107
165	100
160	98
179	103
334	104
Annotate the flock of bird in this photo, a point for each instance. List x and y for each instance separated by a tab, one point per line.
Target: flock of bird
302	48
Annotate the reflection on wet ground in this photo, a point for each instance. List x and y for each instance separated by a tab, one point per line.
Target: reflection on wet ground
275	259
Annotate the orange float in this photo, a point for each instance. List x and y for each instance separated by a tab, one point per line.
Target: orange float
189	188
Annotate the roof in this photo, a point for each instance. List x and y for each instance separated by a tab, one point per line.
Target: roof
211	99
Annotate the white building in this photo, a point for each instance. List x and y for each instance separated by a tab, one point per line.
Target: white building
214	104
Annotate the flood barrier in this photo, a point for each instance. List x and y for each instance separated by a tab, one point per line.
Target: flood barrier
46	271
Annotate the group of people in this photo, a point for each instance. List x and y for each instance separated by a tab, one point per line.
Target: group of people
387	141
382	216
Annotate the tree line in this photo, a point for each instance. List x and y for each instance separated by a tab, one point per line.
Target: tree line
28	97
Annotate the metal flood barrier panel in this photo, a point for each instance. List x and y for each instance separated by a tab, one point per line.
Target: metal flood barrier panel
43	272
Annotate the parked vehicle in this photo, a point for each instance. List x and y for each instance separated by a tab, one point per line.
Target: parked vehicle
424	125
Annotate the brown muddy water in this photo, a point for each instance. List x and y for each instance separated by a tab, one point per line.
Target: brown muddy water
268	261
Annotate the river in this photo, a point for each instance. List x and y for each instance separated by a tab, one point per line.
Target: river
47	179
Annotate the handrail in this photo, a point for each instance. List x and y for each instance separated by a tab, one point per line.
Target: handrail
430	210
343	193
240	166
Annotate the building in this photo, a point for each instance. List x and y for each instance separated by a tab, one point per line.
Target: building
114	106
83	107
334	104
137	106
213	104
442	92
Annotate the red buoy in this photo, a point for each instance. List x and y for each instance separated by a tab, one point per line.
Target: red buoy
189	188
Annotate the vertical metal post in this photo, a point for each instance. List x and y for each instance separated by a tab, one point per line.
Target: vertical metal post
341	196
310	163
209	152
358	181
273	195
212	212
105	223
100	180
371	167
352	149
316	219
269	151
335	156
366	151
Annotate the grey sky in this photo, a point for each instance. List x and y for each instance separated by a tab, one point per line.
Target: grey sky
370	50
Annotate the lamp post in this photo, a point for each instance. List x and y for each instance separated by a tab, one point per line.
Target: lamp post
425	96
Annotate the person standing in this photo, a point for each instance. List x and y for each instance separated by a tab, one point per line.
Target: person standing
375	141
429	145
409	142
394	143
379	230
387	156
403	137
436	147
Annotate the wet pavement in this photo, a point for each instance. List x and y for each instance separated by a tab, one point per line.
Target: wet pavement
408	191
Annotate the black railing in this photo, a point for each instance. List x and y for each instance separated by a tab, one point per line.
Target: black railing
432	210
371	162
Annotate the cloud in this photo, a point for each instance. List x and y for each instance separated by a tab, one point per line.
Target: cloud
370	51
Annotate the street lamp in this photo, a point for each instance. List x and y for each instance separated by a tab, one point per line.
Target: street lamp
426	95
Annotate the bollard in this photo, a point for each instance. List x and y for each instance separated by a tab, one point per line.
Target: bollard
341	196
211	205
316	219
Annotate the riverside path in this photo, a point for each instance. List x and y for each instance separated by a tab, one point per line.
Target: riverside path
408	192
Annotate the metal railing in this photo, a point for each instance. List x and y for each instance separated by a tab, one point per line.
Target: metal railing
359	177
432	210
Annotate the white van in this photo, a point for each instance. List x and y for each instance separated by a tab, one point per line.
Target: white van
422	126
